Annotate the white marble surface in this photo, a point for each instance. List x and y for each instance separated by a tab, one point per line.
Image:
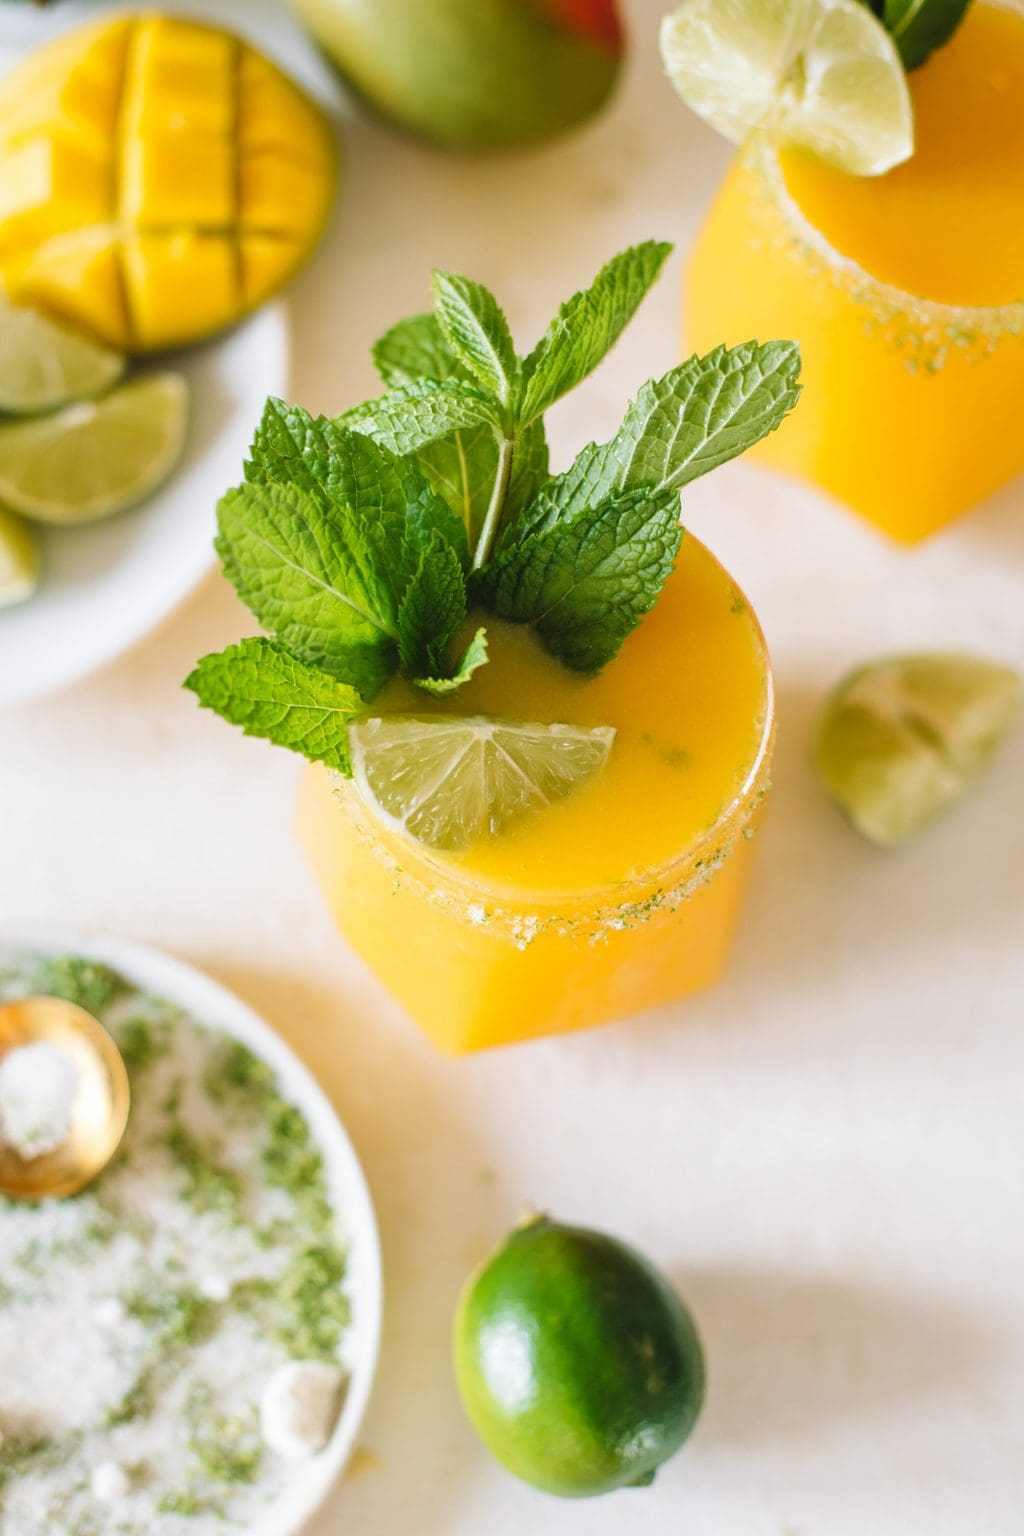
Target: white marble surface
827	1153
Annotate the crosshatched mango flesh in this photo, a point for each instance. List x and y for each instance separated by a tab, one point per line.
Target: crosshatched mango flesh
158	179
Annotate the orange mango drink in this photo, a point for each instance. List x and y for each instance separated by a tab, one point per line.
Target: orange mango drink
905	291
622	896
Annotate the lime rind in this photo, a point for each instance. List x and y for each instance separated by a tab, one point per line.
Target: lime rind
19	560
44	365
95	458
447	781
901	741
821	74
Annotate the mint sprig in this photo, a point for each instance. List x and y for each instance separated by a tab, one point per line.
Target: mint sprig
362	544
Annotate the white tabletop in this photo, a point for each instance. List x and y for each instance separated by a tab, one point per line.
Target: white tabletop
827	1153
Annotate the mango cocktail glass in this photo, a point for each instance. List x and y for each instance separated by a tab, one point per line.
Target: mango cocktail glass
618	898
905	291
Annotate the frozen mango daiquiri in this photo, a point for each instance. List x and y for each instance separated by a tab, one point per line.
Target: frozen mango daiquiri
876	213
540	717
158	179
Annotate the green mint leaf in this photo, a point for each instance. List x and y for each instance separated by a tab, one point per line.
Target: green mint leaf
462	470
587	581
328	586
319	457
918	27
588	326
413	415
698	416
473	657
478	333
417	349
432	612
268	692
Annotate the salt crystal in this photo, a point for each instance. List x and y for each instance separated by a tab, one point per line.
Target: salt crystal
37	1095
215	1287
300	1407
110	1312
109	1482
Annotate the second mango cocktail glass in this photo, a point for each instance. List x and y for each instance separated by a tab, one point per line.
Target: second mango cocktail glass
539	717
905	290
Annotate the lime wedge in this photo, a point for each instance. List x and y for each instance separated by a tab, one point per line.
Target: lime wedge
96	457
19	561
824	74
43	366
447	781
900	741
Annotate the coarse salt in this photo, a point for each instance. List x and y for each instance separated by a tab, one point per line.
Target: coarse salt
38	1084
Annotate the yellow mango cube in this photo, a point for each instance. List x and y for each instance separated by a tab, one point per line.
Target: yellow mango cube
180	286
77	277
49	185
267	262
181	179
181	79
275	194
272	115
45	94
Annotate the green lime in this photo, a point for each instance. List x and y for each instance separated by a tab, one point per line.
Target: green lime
579	1366
42	365
19	560
447	780
96	457
901	740
824	74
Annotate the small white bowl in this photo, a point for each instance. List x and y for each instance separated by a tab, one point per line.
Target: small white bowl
213	1005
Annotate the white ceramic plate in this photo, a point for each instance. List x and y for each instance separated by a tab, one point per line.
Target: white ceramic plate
212	1005
107	586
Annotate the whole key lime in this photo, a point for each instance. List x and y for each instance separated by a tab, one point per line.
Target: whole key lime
578	1365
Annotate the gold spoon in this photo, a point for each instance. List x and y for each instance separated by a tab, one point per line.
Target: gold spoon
97	1104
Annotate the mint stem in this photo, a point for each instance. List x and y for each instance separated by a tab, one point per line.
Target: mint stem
489	531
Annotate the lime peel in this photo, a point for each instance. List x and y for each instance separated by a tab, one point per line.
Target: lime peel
448	780
821	74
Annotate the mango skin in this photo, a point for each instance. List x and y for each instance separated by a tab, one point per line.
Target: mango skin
159	179
474	74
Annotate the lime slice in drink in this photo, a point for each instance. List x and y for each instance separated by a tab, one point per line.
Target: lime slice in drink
19	560
447	781
899	742
824	74
96	457
43	366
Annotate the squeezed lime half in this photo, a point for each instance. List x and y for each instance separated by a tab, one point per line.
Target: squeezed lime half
902	740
